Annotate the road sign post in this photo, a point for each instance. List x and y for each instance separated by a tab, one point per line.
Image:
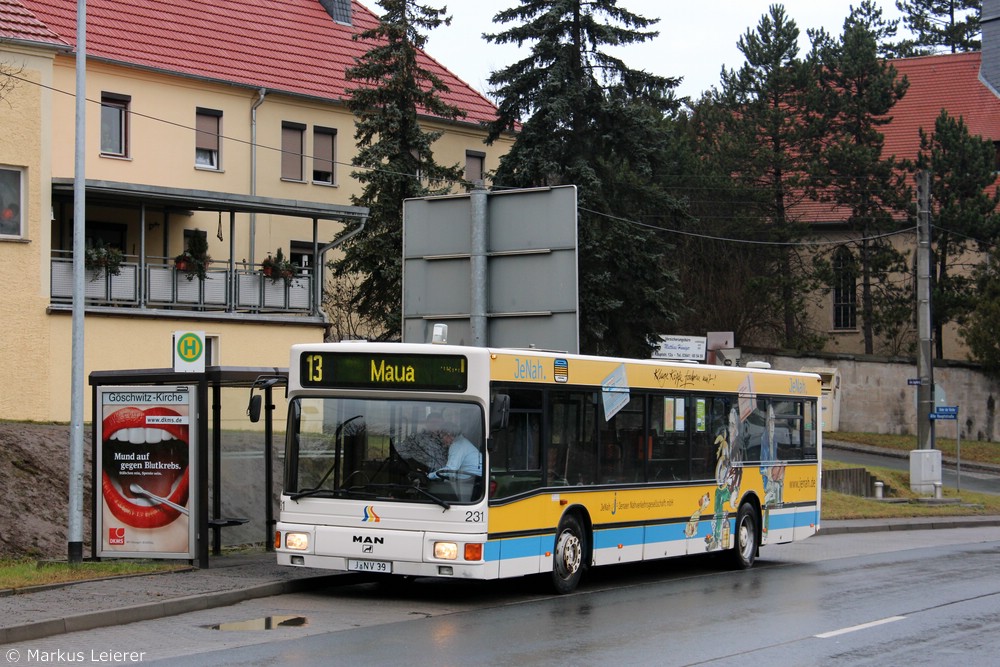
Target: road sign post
950	412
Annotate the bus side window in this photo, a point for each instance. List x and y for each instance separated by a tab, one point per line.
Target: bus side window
515	461
574	427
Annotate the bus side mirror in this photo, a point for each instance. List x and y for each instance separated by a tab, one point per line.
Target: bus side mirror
253	409
499	412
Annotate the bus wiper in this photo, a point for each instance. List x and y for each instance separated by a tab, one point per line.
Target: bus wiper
313	492
407	487
333	493
416	486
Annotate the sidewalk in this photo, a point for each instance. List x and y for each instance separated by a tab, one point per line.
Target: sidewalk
52	610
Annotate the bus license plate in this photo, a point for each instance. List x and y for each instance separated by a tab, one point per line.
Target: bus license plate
369	566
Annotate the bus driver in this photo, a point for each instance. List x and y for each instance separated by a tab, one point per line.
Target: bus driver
463	456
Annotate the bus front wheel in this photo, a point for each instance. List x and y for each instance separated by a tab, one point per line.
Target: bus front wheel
744	551
567	565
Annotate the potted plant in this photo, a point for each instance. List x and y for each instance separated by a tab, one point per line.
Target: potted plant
103	257
278	267
194	260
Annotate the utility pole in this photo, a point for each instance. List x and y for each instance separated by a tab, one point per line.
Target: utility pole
74	528
925	364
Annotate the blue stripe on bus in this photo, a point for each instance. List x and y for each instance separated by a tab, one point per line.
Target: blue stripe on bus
537	545
517	547
628	537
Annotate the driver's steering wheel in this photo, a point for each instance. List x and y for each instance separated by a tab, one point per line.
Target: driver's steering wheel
456	474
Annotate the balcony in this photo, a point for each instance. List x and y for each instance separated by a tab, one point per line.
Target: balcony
158	285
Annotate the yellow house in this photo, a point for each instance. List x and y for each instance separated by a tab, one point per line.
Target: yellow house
225	124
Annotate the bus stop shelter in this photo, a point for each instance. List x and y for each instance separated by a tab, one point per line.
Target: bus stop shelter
206	395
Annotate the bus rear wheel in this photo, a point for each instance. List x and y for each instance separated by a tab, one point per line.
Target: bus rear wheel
744	551
567	560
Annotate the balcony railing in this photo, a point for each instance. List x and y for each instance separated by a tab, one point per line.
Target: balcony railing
161	285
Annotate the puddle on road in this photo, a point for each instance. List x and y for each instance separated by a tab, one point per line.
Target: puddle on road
266	623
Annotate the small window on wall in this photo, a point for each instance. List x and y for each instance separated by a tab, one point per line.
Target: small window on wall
292	137
845	290
301	253
114	124
11	202
475	162
324	146
208	126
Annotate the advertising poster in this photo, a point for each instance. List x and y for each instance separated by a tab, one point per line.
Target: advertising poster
145	454
615	392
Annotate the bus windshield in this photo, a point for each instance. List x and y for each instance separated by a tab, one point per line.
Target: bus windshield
407	450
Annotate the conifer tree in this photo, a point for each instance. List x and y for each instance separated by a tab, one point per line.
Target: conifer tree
855	95
964	215
940	25
395	159
980	330
767	139
585	118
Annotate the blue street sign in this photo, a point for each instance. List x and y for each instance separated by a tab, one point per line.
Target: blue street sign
946	410
913	381
940	415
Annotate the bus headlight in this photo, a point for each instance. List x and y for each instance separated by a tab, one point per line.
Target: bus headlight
446	550
297	541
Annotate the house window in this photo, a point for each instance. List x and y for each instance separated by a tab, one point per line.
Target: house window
474	166
845	291
11	201
292	135
114	124
324	145
301	253
208	125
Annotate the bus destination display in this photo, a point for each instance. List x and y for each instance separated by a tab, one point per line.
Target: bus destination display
356	370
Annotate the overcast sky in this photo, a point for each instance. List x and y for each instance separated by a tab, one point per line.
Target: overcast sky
697	37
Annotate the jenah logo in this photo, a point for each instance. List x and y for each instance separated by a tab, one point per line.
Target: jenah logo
370	516
116	536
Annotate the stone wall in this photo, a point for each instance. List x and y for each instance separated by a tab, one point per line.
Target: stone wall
875	396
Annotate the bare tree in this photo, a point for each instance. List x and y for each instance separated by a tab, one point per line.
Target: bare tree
346	322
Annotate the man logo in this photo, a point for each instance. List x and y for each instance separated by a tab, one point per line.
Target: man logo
116	536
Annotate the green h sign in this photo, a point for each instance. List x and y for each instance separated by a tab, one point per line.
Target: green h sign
189	351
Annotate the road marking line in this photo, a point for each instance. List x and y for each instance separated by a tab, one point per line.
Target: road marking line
854	628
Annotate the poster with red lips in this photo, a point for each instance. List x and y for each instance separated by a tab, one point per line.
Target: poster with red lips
145	452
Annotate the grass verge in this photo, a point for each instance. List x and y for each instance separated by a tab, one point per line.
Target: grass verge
972	450
843	506
24	573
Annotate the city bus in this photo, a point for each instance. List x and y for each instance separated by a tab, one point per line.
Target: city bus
567	461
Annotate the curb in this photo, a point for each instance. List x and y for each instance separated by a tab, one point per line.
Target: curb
876	526
154	610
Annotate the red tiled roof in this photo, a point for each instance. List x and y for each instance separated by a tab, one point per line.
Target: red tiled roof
284	45
949	81
16	22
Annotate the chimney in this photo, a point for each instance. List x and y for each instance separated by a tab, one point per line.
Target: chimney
339	10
